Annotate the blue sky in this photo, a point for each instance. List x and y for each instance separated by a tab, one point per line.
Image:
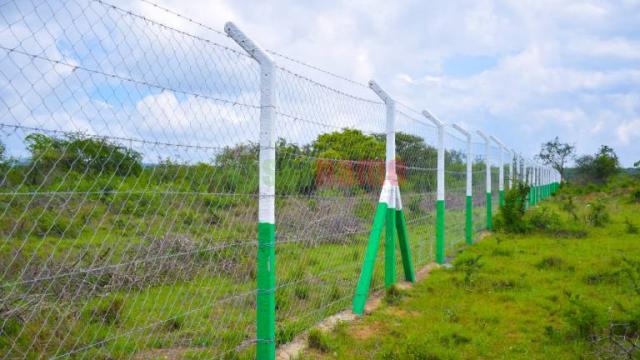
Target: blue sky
524	71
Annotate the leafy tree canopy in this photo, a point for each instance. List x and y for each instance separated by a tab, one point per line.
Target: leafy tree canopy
556	154
600	166
83	153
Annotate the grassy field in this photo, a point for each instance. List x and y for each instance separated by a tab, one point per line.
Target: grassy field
569	288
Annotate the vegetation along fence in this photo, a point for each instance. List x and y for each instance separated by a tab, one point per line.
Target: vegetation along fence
165	191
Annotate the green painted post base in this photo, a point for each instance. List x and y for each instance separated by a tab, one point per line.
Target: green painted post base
362	288
501	203
266	297
440	231
405	250
390	248
469	220
489	212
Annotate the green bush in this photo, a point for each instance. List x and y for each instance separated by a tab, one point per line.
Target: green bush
583	318
510	218
598	215
545	219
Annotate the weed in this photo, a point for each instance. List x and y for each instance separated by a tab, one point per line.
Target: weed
630	227
174	324
393	295
107	310
598	215
552	263
318	340
582	317
469	264
545	219
301	292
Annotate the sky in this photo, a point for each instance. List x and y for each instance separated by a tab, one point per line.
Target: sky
523	71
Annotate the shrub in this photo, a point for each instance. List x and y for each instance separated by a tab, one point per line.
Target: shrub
635	195
570	207
318	340
583	318
510	217
543	218
598	215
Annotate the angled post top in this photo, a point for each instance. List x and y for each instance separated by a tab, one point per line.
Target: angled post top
436	122
381	93
462	131
247	44
483	136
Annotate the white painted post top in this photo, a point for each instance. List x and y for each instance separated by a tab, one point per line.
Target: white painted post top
247	44
433	119
483	135
381	93
463	131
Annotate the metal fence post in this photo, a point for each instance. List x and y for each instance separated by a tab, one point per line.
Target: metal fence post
440	200
266	272
391	182
469	192
512	169
389	211
500	171
488	177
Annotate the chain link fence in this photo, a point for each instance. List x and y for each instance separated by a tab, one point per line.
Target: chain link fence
129	186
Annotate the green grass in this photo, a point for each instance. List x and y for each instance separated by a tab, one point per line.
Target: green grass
543	295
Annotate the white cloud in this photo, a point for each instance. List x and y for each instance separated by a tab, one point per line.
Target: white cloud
629	131
560	64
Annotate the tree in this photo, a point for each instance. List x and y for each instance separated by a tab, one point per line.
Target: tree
81	153
637	164
556	154
598	167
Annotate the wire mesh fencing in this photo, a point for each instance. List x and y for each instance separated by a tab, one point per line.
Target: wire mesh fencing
129	186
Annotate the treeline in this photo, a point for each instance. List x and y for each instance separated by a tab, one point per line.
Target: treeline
346	160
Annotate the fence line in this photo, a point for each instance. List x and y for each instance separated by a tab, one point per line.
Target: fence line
135	159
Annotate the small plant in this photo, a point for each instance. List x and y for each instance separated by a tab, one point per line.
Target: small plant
583	318
318	340
301	292
551	262
393	295
630	227
544	218
511	216
570	207
107	310
635	196
469	264
598	215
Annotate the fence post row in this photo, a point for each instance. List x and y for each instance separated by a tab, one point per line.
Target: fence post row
440	199
469	194
388	213
266	274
